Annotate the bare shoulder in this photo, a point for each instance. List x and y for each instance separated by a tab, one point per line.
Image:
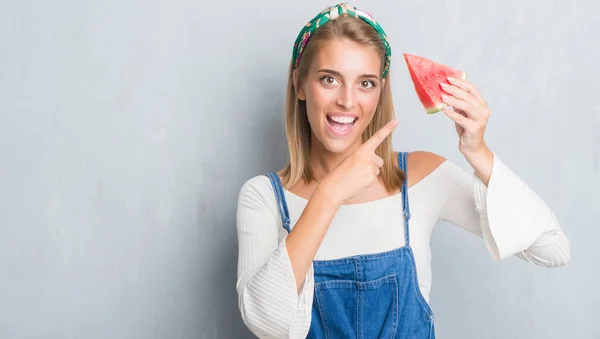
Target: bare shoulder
421	164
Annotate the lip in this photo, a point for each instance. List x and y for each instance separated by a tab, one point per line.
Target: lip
337	133
340	114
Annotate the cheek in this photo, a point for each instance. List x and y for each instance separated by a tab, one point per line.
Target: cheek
318	98
369	101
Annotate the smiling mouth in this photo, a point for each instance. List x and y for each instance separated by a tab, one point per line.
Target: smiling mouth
341	125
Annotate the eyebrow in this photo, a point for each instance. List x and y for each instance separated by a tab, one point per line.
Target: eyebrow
340	74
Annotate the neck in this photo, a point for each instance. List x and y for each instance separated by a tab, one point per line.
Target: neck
323	161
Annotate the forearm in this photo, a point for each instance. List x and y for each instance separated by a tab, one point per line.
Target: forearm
482	162
307	235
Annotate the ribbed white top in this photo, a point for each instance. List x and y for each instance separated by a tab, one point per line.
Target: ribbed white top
509	217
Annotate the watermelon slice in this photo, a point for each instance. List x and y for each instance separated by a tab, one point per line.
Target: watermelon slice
427	75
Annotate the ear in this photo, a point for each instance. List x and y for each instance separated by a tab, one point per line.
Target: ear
382	83
299	91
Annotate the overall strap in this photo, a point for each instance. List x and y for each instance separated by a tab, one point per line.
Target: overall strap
403	164
283	209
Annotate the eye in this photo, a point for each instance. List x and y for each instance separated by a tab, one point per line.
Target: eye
367	84
328	80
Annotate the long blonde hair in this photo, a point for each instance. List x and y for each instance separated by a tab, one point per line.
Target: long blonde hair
297	127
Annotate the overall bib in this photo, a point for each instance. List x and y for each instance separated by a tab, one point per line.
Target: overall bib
367	296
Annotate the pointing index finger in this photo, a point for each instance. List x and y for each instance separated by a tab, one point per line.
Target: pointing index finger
380	136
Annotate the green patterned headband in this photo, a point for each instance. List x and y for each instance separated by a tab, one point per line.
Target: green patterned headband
330	14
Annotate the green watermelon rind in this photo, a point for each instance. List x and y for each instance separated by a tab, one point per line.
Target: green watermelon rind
438	108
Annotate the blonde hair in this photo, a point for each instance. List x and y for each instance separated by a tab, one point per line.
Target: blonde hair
297	127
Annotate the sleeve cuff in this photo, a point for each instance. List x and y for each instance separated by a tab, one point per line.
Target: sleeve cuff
305	292
304	297
283	261
271	304
512	216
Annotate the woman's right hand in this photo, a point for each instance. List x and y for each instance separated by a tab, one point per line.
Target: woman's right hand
359	170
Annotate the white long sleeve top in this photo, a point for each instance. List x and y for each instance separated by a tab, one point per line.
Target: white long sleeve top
509	217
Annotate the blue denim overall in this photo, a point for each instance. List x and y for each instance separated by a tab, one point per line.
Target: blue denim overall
367	296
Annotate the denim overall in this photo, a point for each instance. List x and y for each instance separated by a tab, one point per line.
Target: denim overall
367	296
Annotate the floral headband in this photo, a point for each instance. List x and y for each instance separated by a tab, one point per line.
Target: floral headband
330	14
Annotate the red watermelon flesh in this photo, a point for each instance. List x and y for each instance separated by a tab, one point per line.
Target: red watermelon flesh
427	76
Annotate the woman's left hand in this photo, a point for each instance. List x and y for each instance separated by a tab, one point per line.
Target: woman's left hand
470	113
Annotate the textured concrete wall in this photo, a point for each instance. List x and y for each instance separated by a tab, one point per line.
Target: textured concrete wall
128	128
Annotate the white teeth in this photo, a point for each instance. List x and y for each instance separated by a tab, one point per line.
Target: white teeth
342	120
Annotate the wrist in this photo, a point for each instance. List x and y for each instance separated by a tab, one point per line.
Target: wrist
326	191
482	152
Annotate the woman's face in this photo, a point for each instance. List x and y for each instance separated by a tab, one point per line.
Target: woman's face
342	89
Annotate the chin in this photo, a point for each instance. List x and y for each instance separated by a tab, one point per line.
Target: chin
337	146
340	144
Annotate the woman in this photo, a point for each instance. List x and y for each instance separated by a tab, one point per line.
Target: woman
332	246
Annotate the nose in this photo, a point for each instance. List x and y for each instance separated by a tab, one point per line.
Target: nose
346	97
